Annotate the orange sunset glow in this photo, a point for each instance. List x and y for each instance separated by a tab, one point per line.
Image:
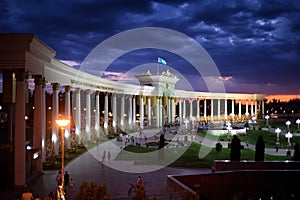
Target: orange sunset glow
282	97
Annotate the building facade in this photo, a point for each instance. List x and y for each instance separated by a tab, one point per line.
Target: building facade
96	106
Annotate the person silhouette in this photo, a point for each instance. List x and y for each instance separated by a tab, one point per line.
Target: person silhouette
108	156
139	181
66	180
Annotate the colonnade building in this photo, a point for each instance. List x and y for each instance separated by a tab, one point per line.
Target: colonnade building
96	106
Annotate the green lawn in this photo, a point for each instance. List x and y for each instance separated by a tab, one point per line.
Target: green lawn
252	135
189	157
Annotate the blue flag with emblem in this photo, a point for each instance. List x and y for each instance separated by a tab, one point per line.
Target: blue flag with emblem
161	60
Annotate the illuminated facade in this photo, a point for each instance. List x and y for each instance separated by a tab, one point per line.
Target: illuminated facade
96	105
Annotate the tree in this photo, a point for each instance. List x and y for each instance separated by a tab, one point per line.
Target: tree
296	156
235	149
260	149
161	141
92	191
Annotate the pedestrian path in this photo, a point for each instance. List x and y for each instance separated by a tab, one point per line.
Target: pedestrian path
117	174
115	147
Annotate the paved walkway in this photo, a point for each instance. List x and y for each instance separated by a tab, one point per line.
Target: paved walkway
118	174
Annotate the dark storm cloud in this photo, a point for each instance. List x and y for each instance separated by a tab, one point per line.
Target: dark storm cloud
255	43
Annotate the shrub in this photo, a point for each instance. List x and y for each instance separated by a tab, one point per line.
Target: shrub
92	191
235	149
218	147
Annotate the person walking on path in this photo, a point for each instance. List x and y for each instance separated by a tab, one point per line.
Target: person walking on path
71	183
104	156
66	180
59	177
108	156
139	181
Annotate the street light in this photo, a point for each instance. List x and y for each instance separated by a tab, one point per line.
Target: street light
254	122
254	119
277	131
186	121
228	124
247	115
62	123
288	123
267	119
288	135
298	122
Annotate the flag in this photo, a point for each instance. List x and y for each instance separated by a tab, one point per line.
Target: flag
161	60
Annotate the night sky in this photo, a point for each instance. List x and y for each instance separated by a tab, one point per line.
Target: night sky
254	44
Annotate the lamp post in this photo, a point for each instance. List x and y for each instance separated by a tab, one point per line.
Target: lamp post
267	120
277	131
186	121
254	122
62	123
228	124
288	123
288	135
298	122
247	115
254	119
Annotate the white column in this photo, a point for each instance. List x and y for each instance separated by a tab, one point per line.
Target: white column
130	112
141	112
78	114
149	111
20	132
157	112
232	106
255	108
184	110
161	119
44	122
212	110
180	111
263	107
247	110
173	109
88	114
191	108
225	109
122	112
134	110
114	111
106	113
252	111
38	117
97	113
169	110
55	112
198	110
67	115
205	109
240	109
219	109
